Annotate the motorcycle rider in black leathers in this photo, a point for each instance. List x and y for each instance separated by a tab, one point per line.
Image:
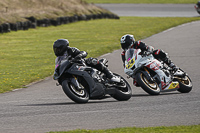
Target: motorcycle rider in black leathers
127	41
62	50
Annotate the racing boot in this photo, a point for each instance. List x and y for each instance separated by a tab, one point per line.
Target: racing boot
173	67
171	64
110	75
94	62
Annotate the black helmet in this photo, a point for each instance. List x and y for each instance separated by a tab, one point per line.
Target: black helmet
127	41
60	46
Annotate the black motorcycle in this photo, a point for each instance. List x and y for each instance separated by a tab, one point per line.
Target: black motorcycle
81	82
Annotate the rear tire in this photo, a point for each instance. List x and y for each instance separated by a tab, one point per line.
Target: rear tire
147	86
185	84
123	94
78	96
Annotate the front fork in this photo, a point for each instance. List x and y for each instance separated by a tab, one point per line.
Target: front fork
147	75
75	82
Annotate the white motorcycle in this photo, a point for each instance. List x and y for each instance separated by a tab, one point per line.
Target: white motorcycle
153	76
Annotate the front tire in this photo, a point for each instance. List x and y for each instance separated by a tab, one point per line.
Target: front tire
123	94
150	87
78	96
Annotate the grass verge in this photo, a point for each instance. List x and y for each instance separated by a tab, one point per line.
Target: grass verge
12	11
27	56
145	1
172	129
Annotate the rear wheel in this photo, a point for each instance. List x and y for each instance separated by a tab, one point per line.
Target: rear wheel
185	84
123	93
150	87
75	94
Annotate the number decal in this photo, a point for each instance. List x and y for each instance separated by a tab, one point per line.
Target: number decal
130	63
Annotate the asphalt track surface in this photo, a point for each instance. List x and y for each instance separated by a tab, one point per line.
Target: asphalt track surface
43	107
152	10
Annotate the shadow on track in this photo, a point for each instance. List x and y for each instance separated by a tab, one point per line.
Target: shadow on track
99	100
71	103
147	95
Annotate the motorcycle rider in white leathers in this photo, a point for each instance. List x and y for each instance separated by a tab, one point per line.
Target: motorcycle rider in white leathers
128	41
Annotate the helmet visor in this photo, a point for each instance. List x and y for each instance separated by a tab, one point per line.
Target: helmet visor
125	45
57	51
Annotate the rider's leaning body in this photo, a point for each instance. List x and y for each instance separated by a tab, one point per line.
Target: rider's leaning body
127	42
62	50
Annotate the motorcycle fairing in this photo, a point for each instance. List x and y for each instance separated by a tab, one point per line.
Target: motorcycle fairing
154	65
132	59
96	89
60	69
164	79
134	62
130	63
172	86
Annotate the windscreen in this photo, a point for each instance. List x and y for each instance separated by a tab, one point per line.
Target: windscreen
129	54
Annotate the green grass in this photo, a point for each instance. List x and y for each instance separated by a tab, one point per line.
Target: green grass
145	1
172	129
40	9
27	56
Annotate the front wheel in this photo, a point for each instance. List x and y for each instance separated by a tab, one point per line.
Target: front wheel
123	93
150	87
77	95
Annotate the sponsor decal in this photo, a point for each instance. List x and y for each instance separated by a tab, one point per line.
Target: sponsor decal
174	85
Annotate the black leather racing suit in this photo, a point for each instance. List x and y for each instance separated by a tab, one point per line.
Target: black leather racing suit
93	62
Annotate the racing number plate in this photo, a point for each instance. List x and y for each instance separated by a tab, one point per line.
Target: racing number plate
130	63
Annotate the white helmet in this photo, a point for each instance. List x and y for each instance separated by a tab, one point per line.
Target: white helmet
127	41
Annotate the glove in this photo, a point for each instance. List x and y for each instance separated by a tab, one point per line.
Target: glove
146	53
77	58
150	49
